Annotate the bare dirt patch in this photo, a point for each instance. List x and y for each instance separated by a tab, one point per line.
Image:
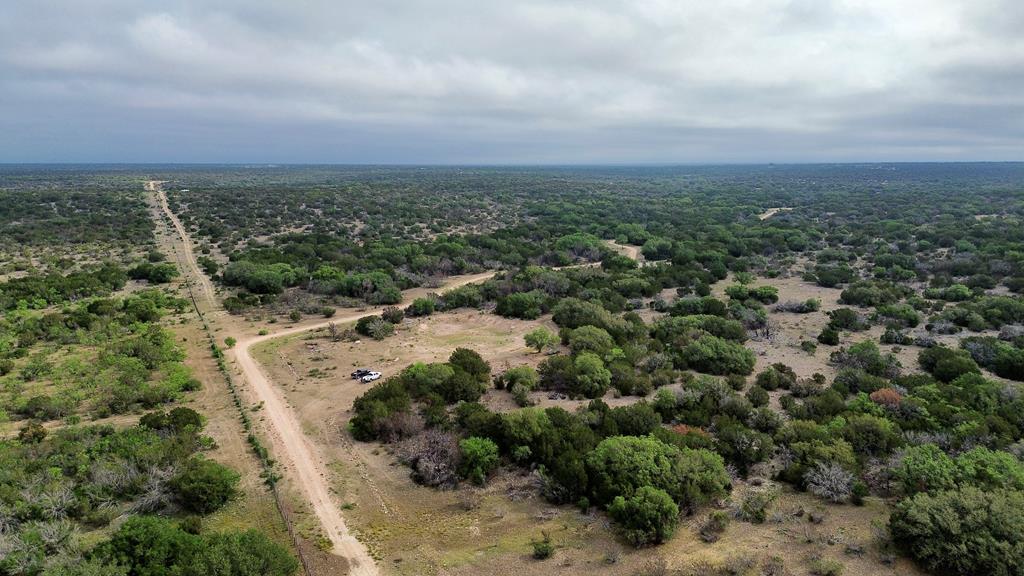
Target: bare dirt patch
772	212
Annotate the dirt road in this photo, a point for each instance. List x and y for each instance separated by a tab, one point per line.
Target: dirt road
627	250
303	466
202	288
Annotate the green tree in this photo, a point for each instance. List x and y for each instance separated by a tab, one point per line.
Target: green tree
471	362
871	435
990	469
649	516
620	465
557	373
592	378
204	485
479	457
591	339
926	468
148	545
540	338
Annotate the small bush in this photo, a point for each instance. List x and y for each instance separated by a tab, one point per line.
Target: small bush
420	307
758	396
479	457
829	336
826	567
543	548
754	506
712	528
393	315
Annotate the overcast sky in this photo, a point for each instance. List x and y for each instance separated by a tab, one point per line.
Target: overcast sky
474	81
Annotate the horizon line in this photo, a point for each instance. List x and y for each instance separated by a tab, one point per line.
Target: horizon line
511	164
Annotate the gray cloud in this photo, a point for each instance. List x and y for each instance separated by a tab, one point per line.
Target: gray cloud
532	81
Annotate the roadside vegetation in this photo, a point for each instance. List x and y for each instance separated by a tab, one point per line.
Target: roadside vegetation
104	471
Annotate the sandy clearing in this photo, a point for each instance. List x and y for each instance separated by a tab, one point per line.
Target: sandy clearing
414	530
772	212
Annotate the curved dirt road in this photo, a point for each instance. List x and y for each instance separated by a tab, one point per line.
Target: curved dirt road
309	471
627	250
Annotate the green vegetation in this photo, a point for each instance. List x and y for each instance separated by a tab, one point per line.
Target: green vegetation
965	531
124	496
151	545
903	248
120	361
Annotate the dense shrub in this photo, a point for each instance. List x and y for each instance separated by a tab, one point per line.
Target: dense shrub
829	336
963	532
154	273
420	307
805	307
204	486
947	364
523	305
717	356
649	516
847	319
867	357
621	465
148	545
671	329
479	457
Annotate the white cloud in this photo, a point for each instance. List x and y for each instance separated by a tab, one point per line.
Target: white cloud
738	77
